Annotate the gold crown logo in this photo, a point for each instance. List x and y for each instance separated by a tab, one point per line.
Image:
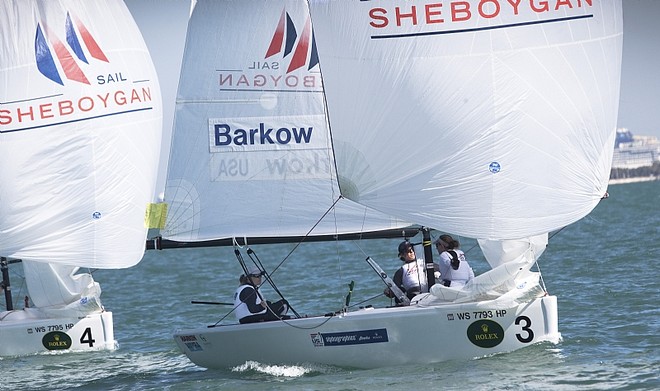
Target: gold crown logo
484	328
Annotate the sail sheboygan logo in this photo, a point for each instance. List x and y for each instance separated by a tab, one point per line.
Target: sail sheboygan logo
395	21
71	70
78	59
300	55
287	64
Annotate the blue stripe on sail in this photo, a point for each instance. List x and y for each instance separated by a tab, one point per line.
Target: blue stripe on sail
291	35
72	40
45	62
314	56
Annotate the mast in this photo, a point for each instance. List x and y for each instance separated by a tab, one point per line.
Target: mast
5	283
428	256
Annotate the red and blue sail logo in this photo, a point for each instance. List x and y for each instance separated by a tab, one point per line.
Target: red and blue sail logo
65	55
284	40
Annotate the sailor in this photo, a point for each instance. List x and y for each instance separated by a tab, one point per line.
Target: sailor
454	268
250	305
411	276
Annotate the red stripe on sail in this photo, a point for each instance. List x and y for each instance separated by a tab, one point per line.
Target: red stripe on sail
69	66
278	38
300	55
93	47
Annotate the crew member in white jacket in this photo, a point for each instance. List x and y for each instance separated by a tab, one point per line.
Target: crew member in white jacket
455	271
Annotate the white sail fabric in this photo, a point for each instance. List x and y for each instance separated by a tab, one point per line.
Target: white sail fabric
490	285
498	252
501	115
61	287
80	133
251	154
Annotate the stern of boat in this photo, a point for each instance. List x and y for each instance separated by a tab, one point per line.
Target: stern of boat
27	331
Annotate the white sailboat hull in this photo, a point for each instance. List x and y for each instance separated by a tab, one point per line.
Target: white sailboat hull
26	331
370	338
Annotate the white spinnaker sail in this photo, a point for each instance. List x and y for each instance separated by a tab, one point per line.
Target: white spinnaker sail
485	119
251	154
498	252
56	287
80	133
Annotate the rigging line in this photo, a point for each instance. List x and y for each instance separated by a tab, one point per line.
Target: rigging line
329	316
536	261
268	276
471	248
224	317
556	232
327	117
360	248
269	280
259	264
366	300
238	245
541	276
306	235
241	261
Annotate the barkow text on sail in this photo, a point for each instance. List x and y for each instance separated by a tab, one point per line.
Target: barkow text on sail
224	135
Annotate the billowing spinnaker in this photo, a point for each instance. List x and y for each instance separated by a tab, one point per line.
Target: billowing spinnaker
480	118
80	133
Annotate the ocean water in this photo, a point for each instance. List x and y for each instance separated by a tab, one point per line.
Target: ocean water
604	270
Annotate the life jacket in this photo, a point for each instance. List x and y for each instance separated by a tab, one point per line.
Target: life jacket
241	309
414	275
457	277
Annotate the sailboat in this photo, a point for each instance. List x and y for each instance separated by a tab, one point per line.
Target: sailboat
486	120
80	129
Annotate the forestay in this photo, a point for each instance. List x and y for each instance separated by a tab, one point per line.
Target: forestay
485	119
251	153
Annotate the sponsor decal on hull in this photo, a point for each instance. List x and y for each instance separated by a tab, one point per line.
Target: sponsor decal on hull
349	337
485	333
56	340
191	343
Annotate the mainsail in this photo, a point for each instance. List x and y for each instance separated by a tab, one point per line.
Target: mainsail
501	116
251	152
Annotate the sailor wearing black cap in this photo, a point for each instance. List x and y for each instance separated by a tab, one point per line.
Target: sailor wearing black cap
411	276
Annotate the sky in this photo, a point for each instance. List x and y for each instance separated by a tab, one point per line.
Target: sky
639	105
163	26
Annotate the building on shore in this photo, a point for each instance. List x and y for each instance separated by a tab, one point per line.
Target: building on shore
632	151
636	158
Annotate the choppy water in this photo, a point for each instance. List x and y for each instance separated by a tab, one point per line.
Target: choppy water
603	270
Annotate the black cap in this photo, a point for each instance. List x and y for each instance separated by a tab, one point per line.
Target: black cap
404	246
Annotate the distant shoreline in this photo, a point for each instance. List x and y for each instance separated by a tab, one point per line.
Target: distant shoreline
633	180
